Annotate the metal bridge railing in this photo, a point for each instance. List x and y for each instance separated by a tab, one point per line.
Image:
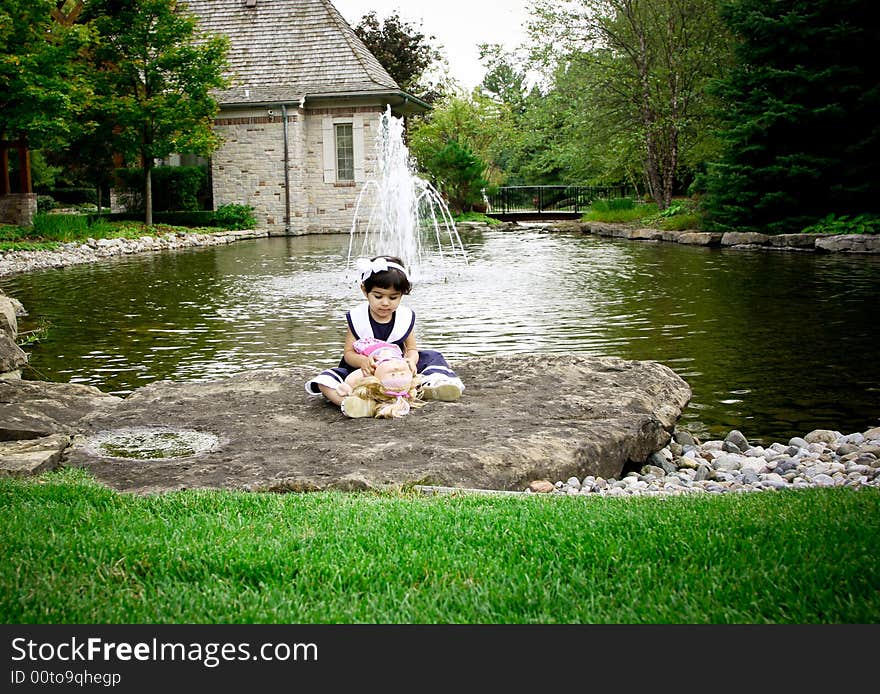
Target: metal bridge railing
550	199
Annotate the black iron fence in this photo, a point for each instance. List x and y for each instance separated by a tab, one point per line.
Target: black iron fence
549	200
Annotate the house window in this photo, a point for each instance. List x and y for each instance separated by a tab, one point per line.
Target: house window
344	152
343	149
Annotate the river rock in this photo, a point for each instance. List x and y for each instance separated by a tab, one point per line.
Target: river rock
521	418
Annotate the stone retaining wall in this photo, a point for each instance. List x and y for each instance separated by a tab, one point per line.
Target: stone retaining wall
826	243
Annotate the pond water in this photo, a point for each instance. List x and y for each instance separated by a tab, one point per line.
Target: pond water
774	344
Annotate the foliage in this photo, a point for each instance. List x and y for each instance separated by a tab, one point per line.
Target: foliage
477	123
45	203
610	212
43	174
645	64
48	231
43	89
844	224
799	116
403	50
235	216
613	204
155	76
102	557
74	196
505	78
68	227
683	221
475	217
175	188
458	173
37	334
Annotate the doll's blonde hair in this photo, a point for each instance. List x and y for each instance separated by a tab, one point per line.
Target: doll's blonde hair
387	406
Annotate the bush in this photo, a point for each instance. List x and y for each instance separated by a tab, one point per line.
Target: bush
175	188
832	224
75	196
233	216
681	222
45	203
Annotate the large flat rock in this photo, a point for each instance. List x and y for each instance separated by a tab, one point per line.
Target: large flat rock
31	409
522	417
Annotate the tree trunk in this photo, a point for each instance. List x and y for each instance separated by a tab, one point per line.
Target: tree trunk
148	191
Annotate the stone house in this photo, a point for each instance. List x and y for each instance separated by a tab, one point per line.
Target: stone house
300	116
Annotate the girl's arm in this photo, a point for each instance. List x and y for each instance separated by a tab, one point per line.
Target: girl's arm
360	361
410	351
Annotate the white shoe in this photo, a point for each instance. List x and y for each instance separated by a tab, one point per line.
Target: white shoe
442	388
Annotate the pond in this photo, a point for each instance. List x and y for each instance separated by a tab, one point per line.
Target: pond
774	344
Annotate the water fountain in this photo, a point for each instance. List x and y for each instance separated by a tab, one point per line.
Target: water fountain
399	213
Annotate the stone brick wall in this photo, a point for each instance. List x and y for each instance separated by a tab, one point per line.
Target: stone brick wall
18	208
249	167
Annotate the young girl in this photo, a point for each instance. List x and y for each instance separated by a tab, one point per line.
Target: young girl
384	283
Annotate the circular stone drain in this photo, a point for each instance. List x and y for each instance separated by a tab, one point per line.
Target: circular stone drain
152	443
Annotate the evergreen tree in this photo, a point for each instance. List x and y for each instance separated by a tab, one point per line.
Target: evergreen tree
800	129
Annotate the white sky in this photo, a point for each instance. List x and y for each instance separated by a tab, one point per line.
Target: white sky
458	25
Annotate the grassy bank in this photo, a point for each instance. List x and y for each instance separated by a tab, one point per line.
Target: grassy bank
75	552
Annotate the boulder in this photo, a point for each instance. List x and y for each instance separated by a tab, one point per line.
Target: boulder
521	418
25	458
8	317
700	238
32	409
12	357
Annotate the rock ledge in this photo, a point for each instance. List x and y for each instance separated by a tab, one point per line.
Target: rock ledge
562	415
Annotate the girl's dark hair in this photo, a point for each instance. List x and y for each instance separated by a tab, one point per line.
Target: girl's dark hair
392	278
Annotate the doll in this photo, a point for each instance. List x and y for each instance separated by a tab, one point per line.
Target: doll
390	393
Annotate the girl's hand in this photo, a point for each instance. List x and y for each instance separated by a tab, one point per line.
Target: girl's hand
369	367
412	358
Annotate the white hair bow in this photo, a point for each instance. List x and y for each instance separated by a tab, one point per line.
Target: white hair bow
368	267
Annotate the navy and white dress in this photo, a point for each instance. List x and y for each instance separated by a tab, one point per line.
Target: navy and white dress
431	365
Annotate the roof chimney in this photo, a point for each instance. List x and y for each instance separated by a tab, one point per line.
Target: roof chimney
250	3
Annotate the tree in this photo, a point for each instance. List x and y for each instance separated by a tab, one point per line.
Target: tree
458	173
800	115
155	76
478	124
403	50
649	61
43	90
504	80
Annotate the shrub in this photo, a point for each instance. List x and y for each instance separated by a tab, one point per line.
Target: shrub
174	188
75	196
832	224
681	222
45	203
233	216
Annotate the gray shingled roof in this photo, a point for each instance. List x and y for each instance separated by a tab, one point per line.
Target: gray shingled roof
284	49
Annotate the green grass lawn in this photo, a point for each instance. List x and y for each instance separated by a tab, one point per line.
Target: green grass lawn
74	552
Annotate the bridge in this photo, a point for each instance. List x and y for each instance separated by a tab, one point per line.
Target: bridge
523	203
